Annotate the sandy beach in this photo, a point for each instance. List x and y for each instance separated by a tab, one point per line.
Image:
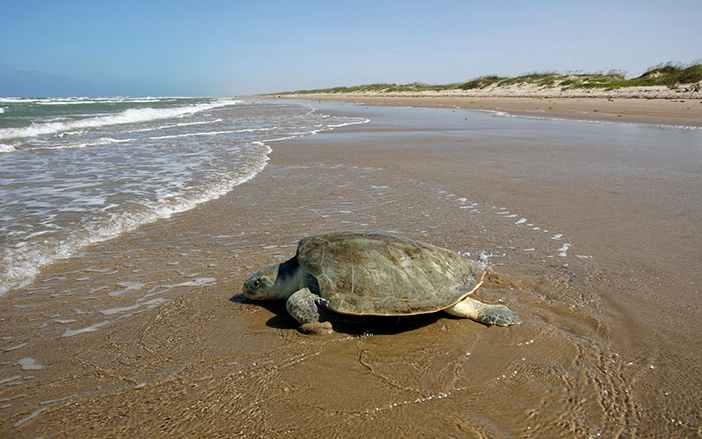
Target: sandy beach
651	105
591	231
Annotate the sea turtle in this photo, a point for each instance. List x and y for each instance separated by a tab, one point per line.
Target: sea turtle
373	274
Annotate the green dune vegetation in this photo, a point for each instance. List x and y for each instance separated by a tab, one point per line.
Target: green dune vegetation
671	75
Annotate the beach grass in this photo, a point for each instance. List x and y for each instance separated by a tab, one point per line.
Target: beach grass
672	75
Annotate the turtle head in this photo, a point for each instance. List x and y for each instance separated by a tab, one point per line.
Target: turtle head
276	282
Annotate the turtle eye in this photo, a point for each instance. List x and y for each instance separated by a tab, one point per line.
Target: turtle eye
256	283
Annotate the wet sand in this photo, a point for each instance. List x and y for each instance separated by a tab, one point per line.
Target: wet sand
596	248
683	110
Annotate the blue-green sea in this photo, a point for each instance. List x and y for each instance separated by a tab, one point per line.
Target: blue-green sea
75	171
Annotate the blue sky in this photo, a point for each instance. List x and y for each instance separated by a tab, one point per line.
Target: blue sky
227	48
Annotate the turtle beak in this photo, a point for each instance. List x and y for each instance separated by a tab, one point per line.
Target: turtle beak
248	289
265	285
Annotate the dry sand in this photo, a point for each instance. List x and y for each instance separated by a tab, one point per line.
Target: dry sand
683	109
596	248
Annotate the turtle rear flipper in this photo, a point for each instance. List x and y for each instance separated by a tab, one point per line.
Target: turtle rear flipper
484	313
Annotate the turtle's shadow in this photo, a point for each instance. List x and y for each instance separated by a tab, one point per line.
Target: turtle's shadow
280	320
352	325
385	325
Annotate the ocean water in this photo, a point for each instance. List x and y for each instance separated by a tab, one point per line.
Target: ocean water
76	171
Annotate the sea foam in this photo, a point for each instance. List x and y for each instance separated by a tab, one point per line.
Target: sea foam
24	262
88	184
6	148
132	115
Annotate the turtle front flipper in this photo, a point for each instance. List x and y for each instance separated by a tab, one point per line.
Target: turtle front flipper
304	306
484	313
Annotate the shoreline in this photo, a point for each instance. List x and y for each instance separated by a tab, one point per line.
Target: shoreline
681	111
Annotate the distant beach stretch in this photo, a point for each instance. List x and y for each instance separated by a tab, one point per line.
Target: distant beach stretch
682	110
664	95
